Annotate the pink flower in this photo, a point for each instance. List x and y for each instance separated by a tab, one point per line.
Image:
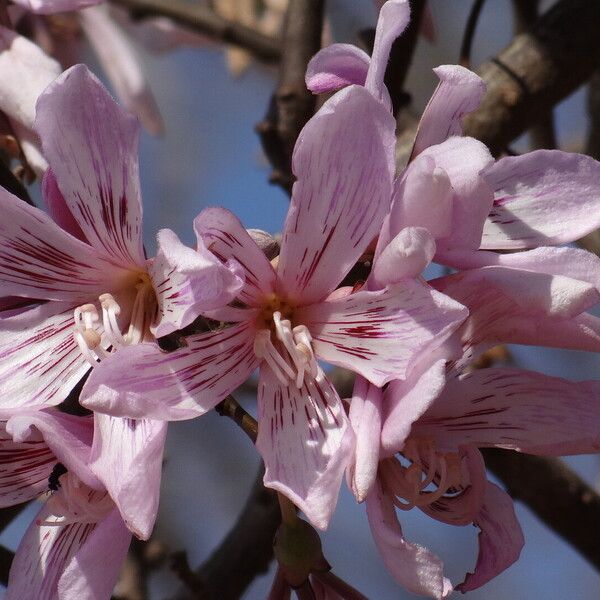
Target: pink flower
76	545
88	283
285	318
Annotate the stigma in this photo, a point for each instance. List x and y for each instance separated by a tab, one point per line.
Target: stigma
290	354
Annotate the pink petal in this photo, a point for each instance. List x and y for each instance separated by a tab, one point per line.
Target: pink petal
57	207
306	442
47	7
92	573
40	362
24	468
329	224
544	197
406	256
222	233
412	566
68	437
458	93
393	19
24	62
423	197
463	159
365	418
40	260
127	457
122	66
405	401
515	409
91	145
500	539
187	282
336	67
143	382
381	334
463	507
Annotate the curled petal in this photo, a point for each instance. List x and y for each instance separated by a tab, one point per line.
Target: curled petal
336	67
544	197
458	93
142	381
306	442
57	207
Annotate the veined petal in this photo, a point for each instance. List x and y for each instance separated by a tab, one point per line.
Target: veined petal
463	159
187	282
381	334
142	382
127	457
336	67
222	233
393	19
515	409
122	65
330	223
57	207
69	438
40	260
412	566
405	401
544	197
91	144
92	573
500	538
40	361
24	468
365	418
306	442
24	62
458	93
47	7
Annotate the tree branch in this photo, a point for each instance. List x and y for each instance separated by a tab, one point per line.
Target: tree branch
559	497
203	20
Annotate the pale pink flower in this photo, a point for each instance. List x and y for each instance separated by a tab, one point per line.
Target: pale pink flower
285	318
89	285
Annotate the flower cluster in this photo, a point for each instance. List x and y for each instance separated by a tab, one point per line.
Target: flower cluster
80	299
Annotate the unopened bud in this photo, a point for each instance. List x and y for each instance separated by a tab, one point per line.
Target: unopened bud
266	242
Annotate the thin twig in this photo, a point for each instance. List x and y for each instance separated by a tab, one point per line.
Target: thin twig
467	41
202	19
231	408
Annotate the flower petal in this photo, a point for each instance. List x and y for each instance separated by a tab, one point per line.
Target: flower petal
92	573
336	67
187	282
463	159
330	223
412	566
224	235
306	442
405	401
48	7
365	418
458	93
500	539
143	382
515	409
24	468
393	19
127	457
544	197
23	61
122	66
381	334
40	362
91	144
40	260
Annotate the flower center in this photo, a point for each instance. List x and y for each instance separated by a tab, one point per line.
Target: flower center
288	351
428	476
94	334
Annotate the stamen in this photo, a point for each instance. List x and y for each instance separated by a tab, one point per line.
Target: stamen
137	328
110	312
264	348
